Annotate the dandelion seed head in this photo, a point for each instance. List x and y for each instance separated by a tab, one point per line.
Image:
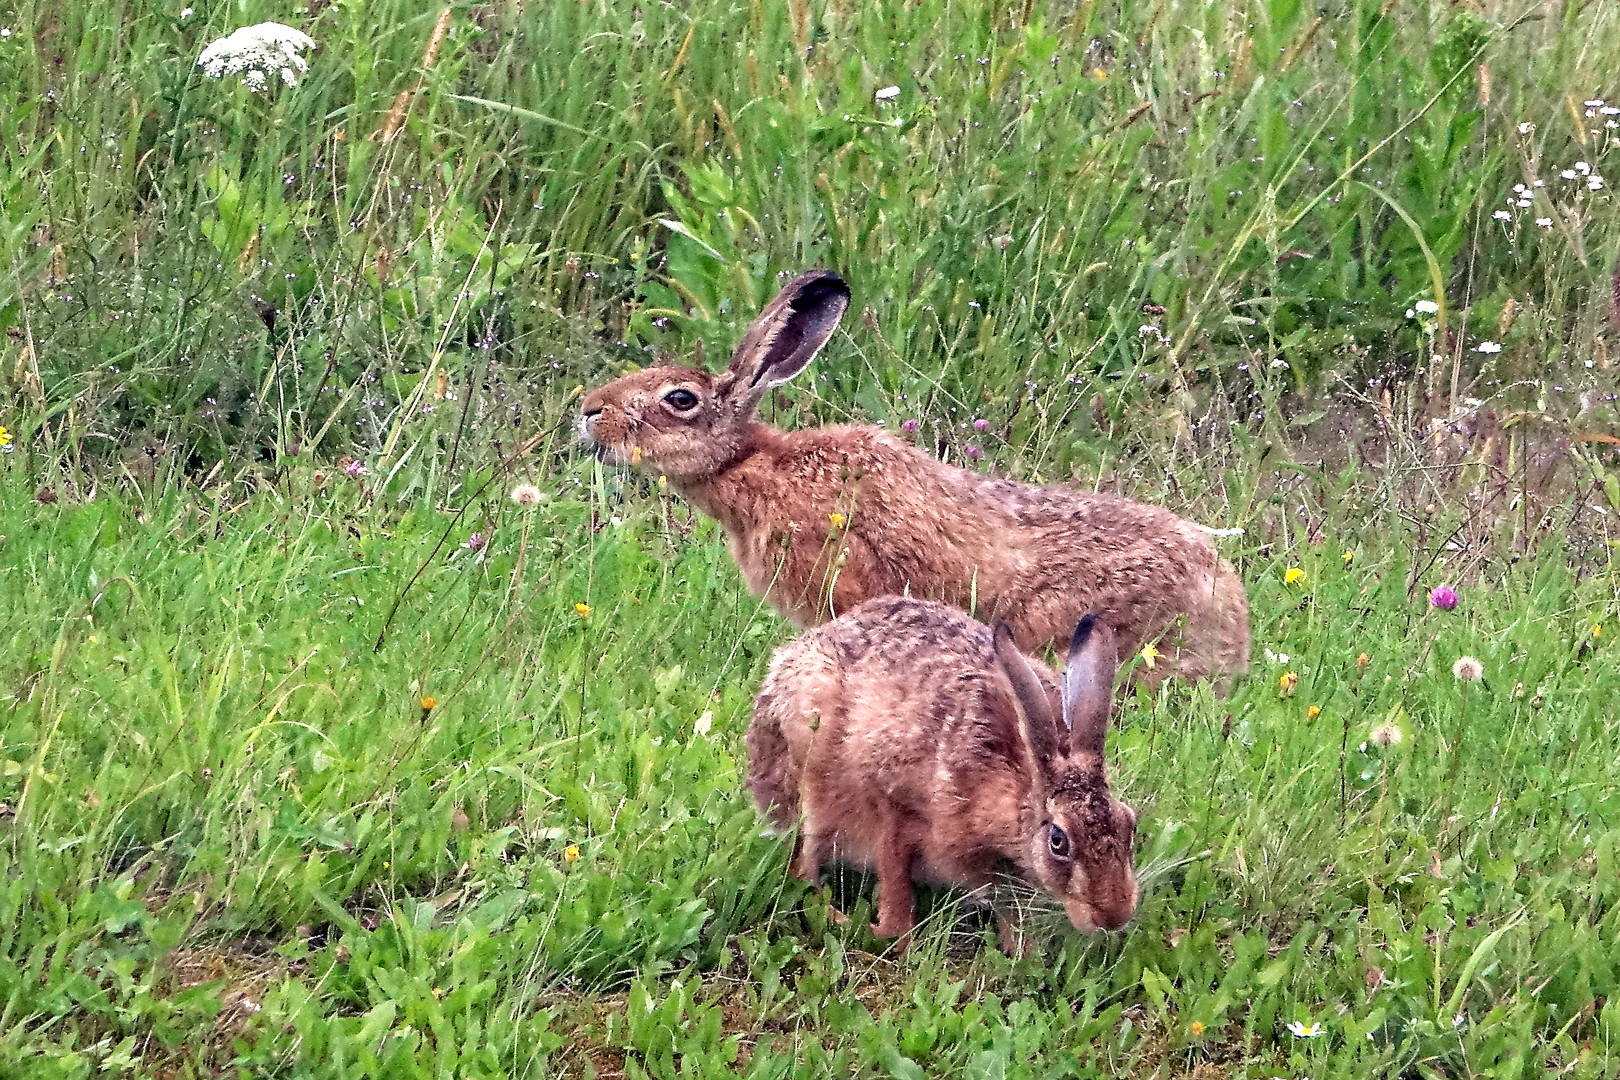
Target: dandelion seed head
1468	669
1386	735
526	495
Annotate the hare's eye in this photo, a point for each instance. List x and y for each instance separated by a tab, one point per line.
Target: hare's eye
681	400
1058	841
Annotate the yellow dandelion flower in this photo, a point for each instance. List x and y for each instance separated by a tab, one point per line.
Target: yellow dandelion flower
1286	684
1597	631
1348	557
1150	654
5	437
584	610
428	703
571	853
1294	576
837	519
1196	1027
1313	712
1099	74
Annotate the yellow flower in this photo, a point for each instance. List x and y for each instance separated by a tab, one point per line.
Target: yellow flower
1286	684
1362	660
5	437
1150	654
635	455
584	610
1348	557
428	703
1597	631
837	519
1196	1027
1294	576
571	853
1099	74
1313	712
663	483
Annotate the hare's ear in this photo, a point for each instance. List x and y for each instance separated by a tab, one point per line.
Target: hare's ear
1036	725
1088	684
786	336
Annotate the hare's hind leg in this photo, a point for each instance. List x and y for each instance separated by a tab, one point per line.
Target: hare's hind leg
897	906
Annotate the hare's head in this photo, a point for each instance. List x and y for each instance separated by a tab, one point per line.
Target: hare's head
1080	837
688	423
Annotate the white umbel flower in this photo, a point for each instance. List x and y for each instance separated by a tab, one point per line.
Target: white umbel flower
256	53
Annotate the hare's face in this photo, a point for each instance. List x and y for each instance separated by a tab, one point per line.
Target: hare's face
1083	851
670	420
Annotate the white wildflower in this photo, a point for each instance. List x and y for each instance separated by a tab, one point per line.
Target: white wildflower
257	52
1583	168
188	13
1594	103
1594	182
1147	331
1410	313
1279	363
1544	222
1526	127
1304	1031
1518	189
1609	110
1488	347
1502	215
1427	307
888	93
1568	174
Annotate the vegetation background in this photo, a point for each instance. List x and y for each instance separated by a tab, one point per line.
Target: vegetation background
322	758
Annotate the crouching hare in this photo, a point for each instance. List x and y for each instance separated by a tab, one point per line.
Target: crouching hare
823	519
906	738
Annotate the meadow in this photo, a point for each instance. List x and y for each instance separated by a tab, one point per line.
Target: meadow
320	756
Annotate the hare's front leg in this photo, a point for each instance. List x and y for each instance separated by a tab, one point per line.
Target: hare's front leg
897	910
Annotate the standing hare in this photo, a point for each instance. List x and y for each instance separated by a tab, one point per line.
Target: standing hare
823	519
908	738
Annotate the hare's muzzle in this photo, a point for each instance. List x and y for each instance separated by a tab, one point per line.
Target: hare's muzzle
583	424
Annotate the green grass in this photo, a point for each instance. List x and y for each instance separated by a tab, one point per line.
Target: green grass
213	768
1165	248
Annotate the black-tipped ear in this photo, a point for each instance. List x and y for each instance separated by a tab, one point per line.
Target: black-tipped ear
1088	684
787	335
1036	725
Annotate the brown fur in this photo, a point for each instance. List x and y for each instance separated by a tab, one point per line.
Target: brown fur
912	741
1037	557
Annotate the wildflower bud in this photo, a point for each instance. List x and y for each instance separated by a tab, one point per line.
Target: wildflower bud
1286	684
1386	735
1362	660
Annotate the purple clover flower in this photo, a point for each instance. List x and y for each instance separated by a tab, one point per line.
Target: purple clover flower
476	542
909	427
1443	597
980	424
